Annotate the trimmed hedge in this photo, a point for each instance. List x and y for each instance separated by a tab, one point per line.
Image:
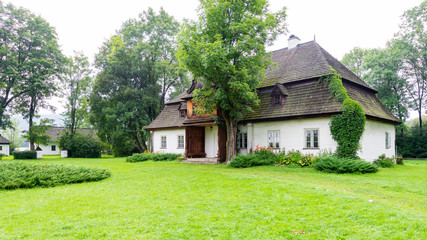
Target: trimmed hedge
18	174
141	157
344	165
25	155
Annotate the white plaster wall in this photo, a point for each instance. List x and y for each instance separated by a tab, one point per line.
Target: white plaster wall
47	149
292	135
211	141
171	141
373	140
5	149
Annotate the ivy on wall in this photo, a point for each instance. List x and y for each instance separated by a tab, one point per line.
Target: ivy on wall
346	128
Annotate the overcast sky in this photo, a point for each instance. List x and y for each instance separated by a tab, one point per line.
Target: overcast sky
339	25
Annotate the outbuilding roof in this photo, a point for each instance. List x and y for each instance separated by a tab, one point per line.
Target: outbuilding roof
4	140
55	132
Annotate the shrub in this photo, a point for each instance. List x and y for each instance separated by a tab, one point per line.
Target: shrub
343	165
253	159
2	155
81	145
141	157
26	175
384	162
25	155
242	161
399	160
295	158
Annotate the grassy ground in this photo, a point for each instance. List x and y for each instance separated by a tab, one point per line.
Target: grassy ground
174	200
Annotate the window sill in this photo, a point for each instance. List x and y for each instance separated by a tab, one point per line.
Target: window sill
311	148
162	148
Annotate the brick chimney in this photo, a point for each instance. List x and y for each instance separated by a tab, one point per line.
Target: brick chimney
293	41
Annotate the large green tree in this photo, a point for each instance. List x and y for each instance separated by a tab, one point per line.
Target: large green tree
76	86
29	60
411	41
225	50
137	71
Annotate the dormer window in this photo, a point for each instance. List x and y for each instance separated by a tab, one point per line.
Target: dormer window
182	113
277	99
278	94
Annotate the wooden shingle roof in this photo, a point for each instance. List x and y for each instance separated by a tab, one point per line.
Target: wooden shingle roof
306	61
295	75
168	118
55	132
4	140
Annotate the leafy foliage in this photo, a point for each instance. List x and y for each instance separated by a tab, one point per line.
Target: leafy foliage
346	128
24	155
137	70
334	164
384	162
30	59
16	174
76	87
81	145
141	157
37	133
411	43
225	50
412	143
295	158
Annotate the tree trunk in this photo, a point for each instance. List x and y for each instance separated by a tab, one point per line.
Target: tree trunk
31	123
231	125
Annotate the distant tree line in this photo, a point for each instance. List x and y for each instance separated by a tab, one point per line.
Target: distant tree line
137	73
398	73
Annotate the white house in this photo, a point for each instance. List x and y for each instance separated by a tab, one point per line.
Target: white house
4	146
52	148
294	112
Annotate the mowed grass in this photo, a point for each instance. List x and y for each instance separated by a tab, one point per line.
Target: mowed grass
174	200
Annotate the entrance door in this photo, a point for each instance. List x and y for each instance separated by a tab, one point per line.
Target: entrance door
195	142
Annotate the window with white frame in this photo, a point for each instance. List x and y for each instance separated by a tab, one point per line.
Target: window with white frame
53	148
1	148
180	141
163	142
387	140
242	140
274	139
311	138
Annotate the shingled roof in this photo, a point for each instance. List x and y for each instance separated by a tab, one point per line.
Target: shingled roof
312	99
4	140
295	75
306	61
55	132
168	118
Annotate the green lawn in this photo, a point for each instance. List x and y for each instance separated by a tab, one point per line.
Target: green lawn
174	200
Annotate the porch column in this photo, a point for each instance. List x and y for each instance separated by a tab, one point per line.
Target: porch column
250	133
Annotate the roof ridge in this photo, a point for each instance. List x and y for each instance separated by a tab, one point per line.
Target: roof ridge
323	56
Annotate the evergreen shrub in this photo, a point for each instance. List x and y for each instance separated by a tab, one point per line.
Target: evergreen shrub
15	174
334	164
25	155
141	157
384	162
